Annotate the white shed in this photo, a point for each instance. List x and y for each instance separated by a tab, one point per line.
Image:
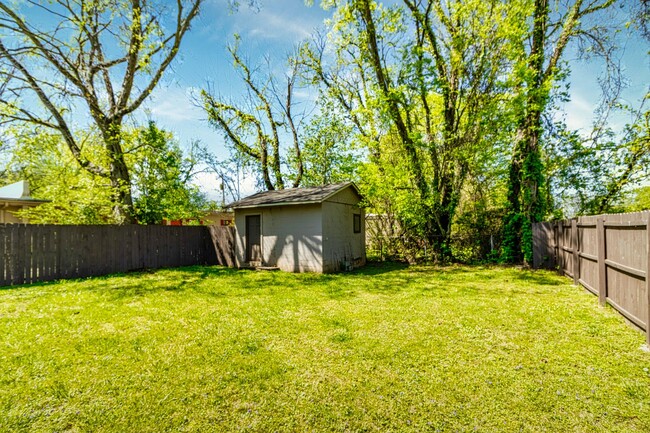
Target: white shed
319	229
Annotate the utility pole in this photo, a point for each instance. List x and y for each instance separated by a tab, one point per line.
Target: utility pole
223	194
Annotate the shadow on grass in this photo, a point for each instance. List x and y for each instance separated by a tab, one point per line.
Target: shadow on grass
542	278
31	285
201	271
378	277
378	268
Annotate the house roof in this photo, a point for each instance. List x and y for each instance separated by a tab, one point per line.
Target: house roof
292	196
17	194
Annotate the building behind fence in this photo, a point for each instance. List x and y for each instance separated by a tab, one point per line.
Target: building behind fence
33	253
609	255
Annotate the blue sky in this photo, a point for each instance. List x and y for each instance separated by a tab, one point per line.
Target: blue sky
279	25
274	30
271	30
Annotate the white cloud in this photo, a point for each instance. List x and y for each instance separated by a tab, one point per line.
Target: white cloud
173	104
270	25
209	184
280	21
579	113
247	186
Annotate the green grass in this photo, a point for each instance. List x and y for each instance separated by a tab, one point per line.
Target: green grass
387	348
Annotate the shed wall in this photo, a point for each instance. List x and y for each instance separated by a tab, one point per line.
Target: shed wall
346	196
291	237
340	243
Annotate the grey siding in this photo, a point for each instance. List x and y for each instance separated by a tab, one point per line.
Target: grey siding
346	196
291	237
340	243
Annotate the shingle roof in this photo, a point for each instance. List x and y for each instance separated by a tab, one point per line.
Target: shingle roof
291	196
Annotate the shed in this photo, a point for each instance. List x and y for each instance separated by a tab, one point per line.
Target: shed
15	197
318	229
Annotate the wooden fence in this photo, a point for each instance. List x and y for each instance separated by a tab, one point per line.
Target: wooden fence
32	253
223	241
609	255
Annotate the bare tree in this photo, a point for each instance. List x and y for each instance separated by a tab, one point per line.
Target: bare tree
257	132
103	57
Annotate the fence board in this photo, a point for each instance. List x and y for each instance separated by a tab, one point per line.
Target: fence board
647	280
32	253
588	254
544	245
613	259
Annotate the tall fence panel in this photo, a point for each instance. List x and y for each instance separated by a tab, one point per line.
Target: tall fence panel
223	239
609	255
32	253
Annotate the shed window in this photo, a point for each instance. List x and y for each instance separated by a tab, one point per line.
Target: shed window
356	223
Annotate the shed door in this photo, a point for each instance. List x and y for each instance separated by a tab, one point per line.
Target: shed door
253	234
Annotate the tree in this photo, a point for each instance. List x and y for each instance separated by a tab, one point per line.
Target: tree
640	200
592	174
75	196
534	80
426	78
257	134
104	56
160	173
162	177
328	152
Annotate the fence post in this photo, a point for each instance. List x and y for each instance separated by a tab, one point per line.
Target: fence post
602	267
556	248
560	246
574	247
647	281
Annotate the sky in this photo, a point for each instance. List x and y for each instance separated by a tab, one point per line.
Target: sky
273	30
276	28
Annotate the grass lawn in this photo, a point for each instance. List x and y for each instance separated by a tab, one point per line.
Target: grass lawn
387	348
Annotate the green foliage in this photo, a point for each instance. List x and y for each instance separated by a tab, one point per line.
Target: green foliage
390	196
511	243
160	174
97	61
593	175
386	348
75	195
478	226
327	151
640	200
535	76
161	178
421	87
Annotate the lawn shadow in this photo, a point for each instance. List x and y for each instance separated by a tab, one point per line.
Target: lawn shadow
36	284
541	277
378	268
142	282
201	271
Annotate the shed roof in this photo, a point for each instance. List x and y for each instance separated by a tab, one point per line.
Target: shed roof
292	196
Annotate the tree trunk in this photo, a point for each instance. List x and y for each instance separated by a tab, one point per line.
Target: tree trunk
511	248
525	203
123	211
122	197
